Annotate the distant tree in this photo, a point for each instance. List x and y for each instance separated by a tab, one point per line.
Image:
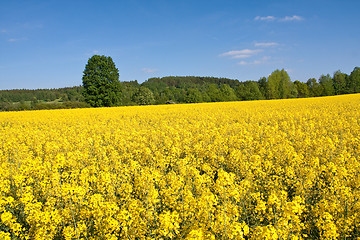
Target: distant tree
213	92
339	82
41	95
4	106
353	84
205	97
164	96
327	85
33	102
22	106
314	87
302	89
128	89
227	93
101	82
143	96
263	86
193	95
249	90
279	85
154	84
179	94
293	91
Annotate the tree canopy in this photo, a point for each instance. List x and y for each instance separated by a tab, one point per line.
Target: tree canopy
354	81
279	85
101	82
102	88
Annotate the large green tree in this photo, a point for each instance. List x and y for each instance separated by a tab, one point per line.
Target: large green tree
303	90
227	93
327	85
339	82
213	92
143	96
314	87
354	81
263	86
249	90
101	82
279	85
193	95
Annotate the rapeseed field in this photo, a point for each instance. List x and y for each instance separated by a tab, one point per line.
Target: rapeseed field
279	169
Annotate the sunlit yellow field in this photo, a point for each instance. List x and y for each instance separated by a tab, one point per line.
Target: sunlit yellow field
280	169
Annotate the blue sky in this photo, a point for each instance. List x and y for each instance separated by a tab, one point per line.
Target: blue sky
46	44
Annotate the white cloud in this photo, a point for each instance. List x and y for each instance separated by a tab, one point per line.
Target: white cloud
293	18
267	18
266	44
249	53
15	39
263	60
149	70
245	53
255	62
243	63
92	53
284	19
242	56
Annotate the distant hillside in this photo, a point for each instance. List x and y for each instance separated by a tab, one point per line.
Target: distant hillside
188	89
46	95
191	89
179	82
24	99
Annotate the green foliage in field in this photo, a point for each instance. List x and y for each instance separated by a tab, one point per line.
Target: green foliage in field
102	88
101	82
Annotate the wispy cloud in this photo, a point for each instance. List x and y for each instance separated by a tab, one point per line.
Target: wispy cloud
149	70
279	19
92	53
15	39
252	54
243	63
33	25
267	18
255	62
265	44
293	18
21	28
242	56
245	53
263	60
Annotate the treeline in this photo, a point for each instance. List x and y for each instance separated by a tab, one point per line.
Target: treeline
173	89
48	95
24	99
178	90
209	89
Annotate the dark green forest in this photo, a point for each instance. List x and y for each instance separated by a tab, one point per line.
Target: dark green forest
188	89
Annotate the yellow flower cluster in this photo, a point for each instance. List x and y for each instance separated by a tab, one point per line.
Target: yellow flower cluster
279	169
